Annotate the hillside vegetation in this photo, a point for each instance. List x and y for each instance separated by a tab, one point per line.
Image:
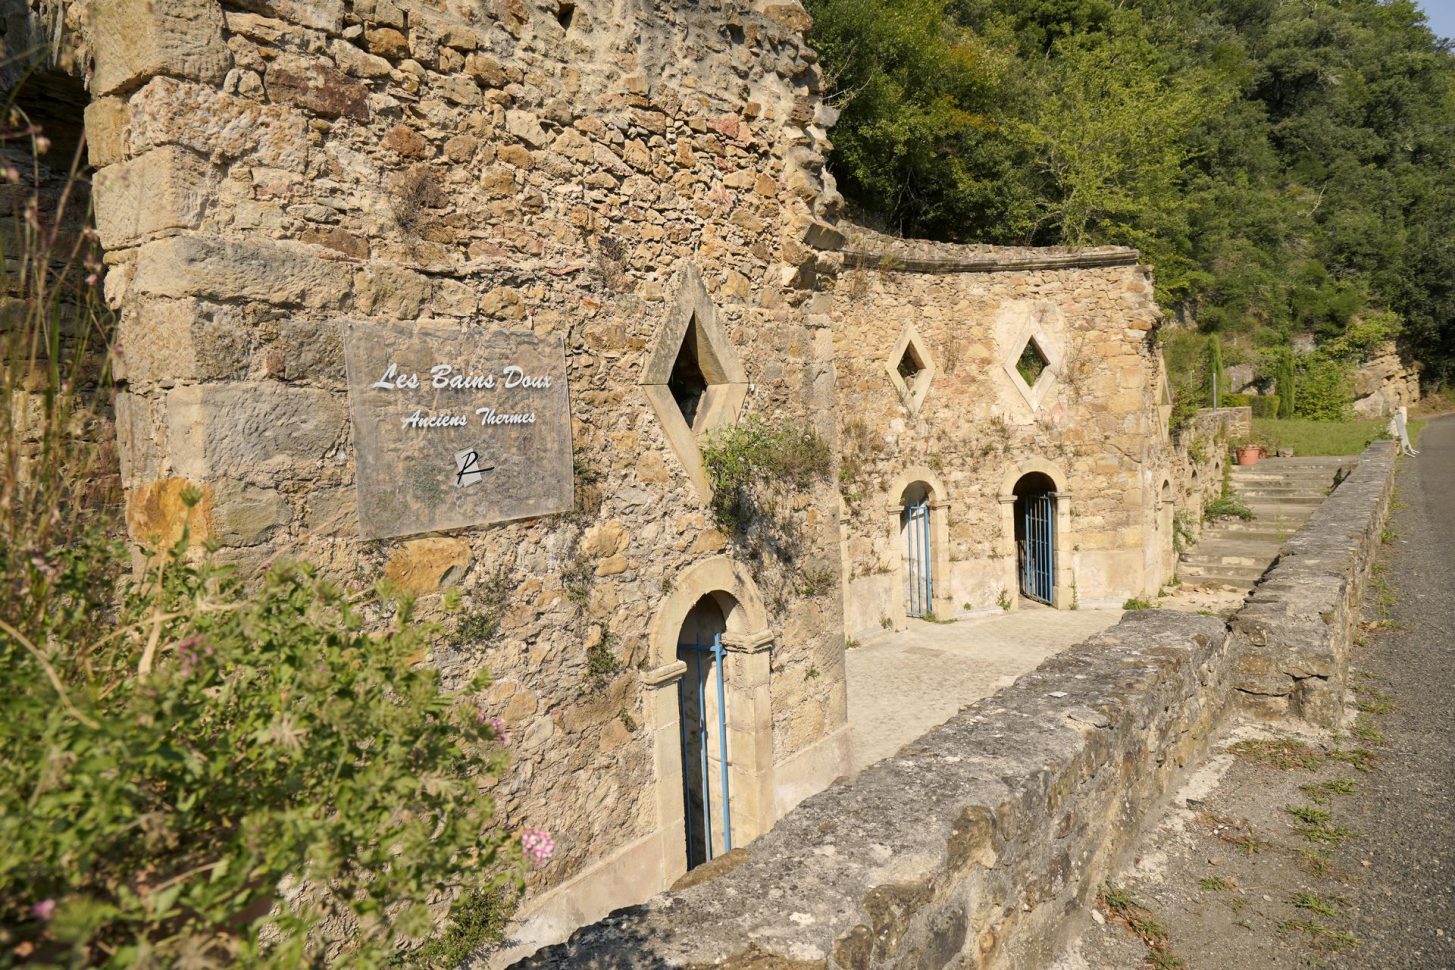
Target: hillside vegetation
1284	164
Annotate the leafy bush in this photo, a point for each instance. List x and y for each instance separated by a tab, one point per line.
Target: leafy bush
1325	388
195	773
1231	400
1265	405
1226	507
754	466
231	775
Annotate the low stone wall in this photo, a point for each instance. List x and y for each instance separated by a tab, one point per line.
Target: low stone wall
1200	450
1022	805
1291	640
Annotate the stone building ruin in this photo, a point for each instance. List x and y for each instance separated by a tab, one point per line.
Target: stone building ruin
642	188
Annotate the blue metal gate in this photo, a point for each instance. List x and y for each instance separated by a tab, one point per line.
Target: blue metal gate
919	578
1038	547
692	693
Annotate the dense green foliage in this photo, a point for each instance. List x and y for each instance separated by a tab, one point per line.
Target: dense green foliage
755	468
208	753
1283	165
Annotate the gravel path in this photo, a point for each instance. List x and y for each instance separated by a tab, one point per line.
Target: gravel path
1404	910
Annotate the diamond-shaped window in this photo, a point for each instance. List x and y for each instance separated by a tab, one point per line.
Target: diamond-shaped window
687	383
1032	363
911	369
1032	357
693	376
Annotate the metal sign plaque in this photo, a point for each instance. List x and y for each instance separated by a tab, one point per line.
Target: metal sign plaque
456	428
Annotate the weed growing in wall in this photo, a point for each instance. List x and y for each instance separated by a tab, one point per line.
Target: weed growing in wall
755	470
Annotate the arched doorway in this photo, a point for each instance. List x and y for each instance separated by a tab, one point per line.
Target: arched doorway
1034	515
1166	526
702	715
916	550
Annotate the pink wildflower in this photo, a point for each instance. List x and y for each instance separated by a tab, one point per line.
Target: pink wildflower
46	908
538	845
189	655
497	724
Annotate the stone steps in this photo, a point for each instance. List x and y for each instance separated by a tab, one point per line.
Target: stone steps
1282	493
1232	552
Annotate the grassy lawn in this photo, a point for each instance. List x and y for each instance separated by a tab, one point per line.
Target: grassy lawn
1307	437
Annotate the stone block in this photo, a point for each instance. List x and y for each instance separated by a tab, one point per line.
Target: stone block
216	125
257	431
316	86
382	290
526	127
352	60
166	188
426	565
133	40
229	269
156	513
325	15
166	341
105	131
246	515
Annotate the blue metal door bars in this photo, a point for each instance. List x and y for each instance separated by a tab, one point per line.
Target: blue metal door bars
919	579
697	794
1038	553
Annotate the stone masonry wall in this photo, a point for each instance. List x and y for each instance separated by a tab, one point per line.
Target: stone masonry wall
269	170
1095	420
1293	636
1199	457
1023	804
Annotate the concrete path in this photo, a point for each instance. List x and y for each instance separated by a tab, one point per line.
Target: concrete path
902	684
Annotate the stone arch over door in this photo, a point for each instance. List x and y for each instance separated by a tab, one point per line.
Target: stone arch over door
913	481
720	593
1062	594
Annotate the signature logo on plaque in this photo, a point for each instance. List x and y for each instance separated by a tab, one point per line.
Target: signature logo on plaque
468	470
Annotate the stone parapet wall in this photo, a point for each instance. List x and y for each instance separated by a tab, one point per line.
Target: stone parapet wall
867	249
1292	638
1023	804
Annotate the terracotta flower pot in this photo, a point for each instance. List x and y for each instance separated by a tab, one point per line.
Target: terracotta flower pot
1249	454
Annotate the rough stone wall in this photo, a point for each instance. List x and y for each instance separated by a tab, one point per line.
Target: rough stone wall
1095	415
270	169
1024	803
1200	455
1385	382
1293	636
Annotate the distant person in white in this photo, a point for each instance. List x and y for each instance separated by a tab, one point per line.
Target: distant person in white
1399	428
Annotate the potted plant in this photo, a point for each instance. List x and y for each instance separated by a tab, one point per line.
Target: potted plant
1247	452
